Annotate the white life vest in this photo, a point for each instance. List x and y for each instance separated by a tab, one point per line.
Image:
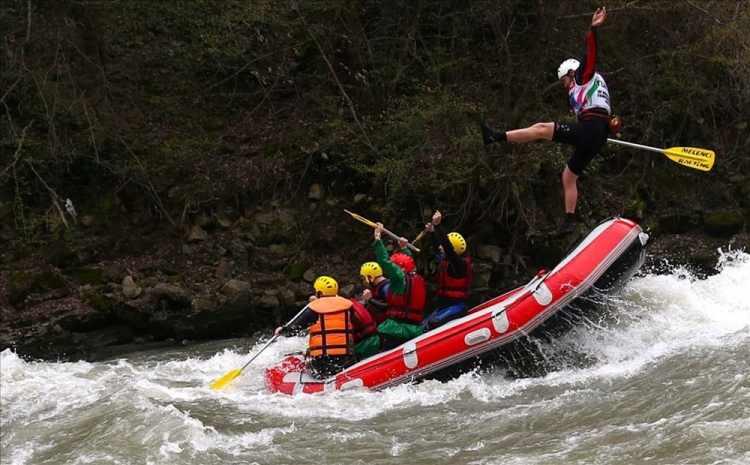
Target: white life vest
593	94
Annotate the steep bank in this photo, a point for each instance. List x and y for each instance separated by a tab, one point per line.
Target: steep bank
94	296
208	150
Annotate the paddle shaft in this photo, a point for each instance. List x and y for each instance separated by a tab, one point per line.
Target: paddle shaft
635	146
372	224
275	336
395	237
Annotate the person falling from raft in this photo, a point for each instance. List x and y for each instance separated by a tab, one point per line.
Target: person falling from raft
335	330
404	294
454	275
588	96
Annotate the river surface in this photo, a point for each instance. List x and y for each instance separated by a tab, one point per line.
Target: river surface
666	382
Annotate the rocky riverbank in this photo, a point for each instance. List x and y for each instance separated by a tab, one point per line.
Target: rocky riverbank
91	295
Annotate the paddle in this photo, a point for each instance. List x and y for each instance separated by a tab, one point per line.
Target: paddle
220	383
374	225
699	159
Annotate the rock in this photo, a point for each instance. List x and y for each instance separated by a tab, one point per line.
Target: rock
171	293
492	253
268	301
347	291
295	271
676	223
224	221
273	227
723	222
203	304
309	275
359	198
287	297
482	275
86	221
113	272
23	283
235	287
129	288
202	220
224	269
197	233
279	249
87	275
316	192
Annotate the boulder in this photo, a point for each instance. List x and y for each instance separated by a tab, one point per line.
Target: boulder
316	192
197	234
23	283
129	288
492	253
287	297
309	275
268	301
723	222
172	294
235	287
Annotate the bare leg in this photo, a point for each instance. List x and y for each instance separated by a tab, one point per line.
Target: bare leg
538	131
570	190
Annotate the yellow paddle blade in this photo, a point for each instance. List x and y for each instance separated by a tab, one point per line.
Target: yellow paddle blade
362	219
221	383
699	159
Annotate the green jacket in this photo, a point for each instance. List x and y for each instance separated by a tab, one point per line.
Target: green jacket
391	271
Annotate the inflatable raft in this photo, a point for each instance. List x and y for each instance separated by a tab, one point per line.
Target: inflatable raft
602	261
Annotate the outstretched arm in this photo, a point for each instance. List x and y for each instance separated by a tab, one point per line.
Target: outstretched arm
588	66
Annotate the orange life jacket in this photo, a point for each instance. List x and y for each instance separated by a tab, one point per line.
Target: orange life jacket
454	288
333	333
409	306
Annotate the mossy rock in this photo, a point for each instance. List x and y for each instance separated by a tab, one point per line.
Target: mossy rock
99	301
23	283
87	275
723	222
676	223
295	271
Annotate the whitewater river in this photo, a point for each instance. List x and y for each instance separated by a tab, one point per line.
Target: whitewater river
666	383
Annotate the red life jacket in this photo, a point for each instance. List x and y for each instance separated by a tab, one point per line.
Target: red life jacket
409	306
364	324
454	288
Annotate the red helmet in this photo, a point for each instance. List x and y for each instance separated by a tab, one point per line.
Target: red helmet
403	261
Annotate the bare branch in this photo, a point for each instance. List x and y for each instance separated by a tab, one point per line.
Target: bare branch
17	155
52	194
349	101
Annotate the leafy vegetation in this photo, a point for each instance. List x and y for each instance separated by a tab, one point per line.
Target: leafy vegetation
174	107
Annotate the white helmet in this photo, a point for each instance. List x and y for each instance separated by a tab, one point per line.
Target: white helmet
567	65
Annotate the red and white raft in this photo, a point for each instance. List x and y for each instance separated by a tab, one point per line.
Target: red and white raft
608	256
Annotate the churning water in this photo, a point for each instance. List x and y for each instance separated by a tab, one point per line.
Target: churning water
666	383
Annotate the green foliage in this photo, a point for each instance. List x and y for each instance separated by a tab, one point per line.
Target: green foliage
176	106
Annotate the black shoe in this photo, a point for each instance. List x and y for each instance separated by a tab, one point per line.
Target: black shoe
569	224
488	135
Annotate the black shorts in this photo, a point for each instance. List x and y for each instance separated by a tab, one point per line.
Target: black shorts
588	136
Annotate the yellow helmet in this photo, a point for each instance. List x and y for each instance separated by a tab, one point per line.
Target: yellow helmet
458	242
370	270
325	286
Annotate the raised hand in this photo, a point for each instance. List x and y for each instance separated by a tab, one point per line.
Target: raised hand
378	231
437	217
600	15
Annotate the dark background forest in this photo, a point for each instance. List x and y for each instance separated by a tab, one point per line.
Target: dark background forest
208	149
